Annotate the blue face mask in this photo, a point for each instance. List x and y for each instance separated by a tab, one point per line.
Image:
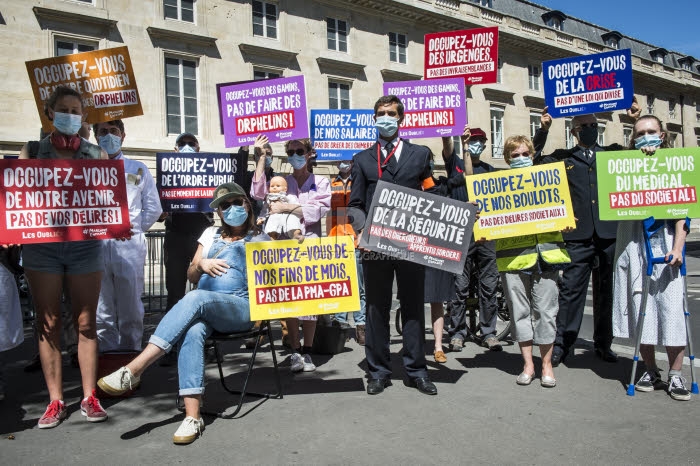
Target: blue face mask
344	167
297	161
186	148
386	125
235	216
268	161
475	148
111	143
520	162
67	123
648	140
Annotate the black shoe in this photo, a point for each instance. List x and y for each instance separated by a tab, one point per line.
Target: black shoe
423	384
606	354
376	386
558	356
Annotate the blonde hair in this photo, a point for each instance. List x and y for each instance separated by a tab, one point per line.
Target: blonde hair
305	142
513	143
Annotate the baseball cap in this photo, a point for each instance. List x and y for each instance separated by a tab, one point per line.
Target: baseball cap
183	135
225	192
478	133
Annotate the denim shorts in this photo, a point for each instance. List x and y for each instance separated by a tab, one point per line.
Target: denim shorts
65	258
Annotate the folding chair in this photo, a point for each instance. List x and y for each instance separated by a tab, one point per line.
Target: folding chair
257	333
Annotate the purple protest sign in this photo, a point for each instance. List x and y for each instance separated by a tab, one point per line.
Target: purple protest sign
432	108
273	107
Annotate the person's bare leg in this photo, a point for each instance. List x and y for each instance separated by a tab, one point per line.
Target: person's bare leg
309	328
649	358
84	291
526	351
150	354
192	405
46	291
675	357
546	355
293	332
437	316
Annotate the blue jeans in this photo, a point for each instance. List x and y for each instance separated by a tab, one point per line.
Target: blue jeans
358	316
190	322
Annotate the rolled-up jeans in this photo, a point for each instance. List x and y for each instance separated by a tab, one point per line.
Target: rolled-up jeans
190	322
358	316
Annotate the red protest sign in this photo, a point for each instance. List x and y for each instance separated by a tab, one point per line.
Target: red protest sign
45	201
472	54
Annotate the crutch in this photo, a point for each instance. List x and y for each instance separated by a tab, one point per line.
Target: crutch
688	332
651	228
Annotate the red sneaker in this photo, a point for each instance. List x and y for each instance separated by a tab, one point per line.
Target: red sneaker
91	408
54	414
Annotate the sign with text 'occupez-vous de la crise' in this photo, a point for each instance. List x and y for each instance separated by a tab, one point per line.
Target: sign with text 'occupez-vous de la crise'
340	134
635	186
432	108
471	54
601	82
273	107
46	201
186	181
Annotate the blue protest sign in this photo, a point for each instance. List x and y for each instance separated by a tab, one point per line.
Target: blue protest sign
186	181
340	134
601	82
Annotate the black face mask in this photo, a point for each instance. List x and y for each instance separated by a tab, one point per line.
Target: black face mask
588	136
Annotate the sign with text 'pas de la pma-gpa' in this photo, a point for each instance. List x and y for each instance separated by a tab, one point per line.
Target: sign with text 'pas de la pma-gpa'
601	82
634	186
340	134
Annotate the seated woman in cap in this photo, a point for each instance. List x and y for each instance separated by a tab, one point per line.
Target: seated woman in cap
219	303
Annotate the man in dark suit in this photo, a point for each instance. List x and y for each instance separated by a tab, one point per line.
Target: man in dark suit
395	161
591	243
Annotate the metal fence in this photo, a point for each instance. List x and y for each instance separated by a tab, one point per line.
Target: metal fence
154	294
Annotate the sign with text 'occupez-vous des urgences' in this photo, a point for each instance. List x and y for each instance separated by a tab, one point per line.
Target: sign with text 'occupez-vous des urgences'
433	108
601	82
340	134
471	54
635	186
273	107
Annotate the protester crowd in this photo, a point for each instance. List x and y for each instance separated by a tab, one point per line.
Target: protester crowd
544	276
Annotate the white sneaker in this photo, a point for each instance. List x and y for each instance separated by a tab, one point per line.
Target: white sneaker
308	364
297	362
119	382
188	431
676	388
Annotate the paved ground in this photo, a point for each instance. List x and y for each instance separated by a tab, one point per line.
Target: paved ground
479	416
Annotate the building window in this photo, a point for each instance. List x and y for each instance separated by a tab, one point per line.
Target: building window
535	123
265	19
262	74
697	112
68	47
486	3
570	139
181	95
497	131
555	23
457	142
650	103
671	108
685	65
533	77
612	42
182	10
672	138
338	95
626	136
337	32
499	76
601	134
397	47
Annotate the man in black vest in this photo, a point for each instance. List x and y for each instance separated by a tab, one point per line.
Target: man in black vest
591	243
395	161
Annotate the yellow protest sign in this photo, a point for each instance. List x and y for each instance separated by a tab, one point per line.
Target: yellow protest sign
521	201
104	78
288	279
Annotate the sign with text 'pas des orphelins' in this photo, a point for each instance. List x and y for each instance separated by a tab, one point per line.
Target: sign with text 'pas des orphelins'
521	201
104	77
419	227
601	82
433	108
273	107
634	186
471	54
46	201
289	279
340	134
186	181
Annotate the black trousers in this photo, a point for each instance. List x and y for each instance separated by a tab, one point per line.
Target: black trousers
574	288
379	279
179	249
482	255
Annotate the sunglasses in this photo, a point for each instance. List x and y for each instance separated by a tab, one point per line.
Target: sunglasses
226	204
519	154
291	152
188	143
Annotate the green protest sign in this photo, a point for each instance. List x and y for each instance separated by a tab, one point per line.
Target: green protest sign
634	186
